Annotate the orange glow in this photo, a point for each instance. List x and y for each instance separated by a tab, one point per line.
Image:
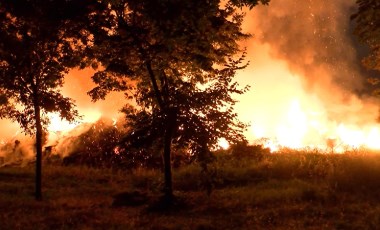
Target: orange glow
60	125
299	98
223	143
278	107
302	89
301	128
272	146
372	140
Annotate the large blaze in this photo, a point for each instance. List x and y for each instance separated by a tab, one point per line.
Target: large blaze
57	124
308	89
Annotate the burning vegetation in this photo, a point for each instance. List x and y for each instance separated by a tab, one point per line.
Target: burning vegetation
161	85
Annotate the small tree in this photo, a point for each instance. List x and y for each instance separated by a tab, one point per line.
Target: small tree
36	52
177	60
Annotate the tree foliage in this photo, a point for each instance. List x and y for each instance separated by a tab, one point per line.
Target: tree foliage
173	56
248	3
177	60
102	146
35	54
367	28
37	49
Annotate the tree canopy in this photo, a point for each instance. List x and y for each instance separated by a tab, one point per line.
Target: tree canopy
37	49
367	28
177	60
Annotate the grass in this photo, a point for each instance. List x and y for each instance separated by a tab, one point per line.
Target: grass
296	190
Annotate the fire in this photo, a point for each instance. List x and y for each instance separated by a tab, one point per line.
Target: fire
223	143
294	128
57	124
114	122
305	128
373	138
303	89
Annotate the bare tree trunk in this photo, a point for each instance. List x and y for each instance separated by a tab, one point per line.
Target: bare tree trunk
168	187
169	129
38	192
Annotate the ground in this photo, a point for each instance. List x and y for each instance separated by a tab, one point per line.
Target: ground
279	191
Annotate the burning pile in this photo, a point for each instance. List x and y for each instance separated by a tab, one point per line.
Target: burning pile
95	144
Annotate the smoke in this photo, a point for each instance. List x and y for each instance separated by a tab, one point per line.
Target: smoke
315	38
16	147
78	83
18	151
304	55
317	42
305	74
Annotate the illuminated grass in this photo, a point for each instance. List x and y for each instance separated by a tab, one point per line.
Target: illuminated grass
280	191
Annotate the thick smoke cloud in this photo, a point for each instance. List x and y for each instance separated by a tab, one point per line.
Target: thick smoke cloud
315	39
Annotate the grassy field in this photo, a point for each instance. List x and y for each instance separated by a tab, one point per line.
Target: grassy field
293	190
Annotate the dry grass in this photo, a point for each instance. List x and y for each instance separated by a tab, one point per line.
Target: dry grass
283	191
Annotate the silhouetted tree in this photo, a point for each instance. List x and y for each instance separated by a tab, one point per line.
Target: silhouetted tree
176	59
37	49
367	28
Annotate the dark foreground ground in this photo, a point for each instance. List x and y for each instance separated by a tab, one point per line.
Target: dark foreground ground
280	191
